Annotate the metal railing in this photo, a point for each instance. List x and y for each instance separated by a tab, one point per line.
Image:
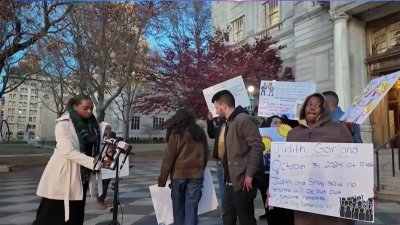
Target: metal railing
392	147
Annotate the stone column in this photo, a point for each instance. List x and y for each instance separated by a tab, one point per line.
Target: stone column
342	64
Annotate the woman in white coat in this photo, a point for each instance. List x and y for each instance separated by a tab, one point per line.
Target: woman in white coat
69	172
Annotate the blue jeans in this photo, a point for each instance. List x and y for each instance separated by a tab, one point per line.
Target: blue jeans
186	194
221	183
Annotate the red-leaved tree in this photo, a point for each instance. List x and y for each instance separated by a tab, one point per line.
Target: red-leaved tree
195	60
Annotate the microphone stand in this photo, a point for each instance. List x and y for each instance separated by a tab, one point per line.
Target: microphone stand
114	209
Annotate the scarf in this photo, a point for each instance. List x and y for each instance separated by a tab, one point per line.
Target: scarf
88	133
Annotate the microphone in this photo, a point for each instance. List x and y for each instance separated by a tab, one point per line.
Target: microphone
122	147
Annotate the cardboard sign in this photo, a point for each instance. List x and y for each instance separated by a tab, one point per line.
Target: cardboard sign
235	86
280	97
334	179
372	94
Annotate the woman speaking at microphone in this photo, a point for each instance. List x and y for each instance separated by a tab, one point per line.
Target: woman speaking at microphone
69	172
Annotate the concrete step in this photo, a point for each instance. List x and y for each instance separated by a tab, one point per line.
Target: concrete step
389	185
388	195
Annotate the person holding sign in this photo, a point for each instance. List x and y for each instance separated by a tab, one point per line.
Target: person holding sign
185	159
105	130
316	126
242	160
275	216
272	121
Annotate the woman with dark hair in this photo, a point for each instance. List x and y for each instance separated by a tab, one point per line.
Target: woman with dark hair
276	215
68	174
185	159
316	126
272	121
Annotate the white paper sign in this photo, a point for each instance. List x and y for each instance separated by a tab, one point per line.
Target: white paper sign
334	179
281	97
372	94
161	197
235	86
123	172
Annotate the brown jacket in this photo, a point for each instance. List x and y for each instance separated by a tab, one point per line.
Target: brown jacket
243	147
324	130
184	158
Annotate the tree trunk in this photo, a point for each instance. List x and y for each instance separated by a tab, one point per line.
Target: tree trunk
126	130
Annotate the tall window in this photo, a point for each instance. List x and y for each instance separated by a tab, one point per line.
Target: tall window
271	13
158	123
238	29
386	38
135	123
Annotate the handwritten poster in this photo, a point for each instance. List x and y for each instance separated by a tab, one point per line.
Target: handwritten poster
161	197
370	97
235	86
334	179
123	172
280	97
269	135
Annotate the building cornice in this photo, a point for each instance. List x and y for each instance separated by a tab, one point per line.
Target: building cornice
314	13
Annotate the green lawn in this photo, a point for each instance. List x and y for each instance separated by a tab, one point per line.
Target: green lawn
22	149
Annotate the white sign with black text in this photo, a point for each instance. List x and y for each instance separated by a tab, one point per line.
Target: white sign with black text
334	179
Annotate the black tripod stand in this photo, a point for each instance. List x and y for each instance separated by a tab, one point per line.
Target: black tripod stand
114	209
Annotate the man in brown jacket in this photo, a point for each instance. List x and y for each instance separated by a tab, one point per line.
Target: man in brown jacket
241	160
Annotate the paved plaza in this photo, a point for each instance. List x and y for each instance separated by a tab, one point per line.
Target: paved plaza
18	202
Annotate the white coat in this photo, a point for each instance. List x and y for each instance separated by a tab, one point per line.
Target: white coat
61	179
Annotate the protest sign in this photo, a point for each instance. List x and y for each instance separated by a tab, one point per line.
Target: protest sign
270	134
323	178
161	198
370	97
281	97
235	86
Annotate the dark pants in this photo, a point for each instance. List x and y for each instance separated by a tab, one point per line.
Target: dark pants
221	183
239	204
262	185
51	212
105	184
186	194
280	216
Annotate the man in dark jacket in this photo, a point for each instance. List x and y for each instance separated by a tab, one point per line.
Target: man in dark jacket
241	160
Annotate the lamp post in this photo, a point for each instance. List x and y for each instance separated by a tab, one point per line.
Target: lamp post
250	89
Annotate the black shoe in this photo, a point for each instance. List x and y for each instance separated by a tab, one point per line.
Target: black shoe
263	217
